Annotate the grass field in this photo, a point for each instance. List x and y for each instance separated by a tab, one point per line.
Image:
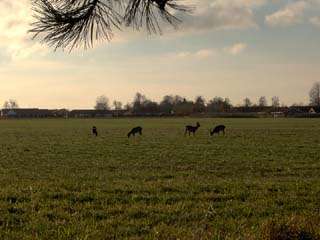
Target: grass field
259	181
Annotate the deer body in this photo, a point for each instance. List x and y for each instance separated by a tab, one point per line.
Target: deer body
191	129
218	129
134	131
94	131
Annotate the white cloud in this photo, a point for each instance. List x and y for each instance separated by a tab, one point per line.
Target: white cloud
198	55
289	15
236	48
223	14
315	21
205	53
14	26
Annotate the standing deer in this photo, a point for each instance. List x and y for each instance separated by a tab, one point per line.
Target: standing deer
134	131
191	129
218	129
94	131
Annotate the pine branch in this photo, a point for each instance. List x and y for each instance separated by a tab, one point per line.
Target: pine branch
140	13
76	23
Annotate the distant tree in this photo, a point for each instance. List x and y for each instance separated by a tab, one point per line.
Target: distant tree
184	107
263	101
227	104
167	104
10	104
102	103
314	94
138	102
150	107
128	107
143	105
297	104
218	104
247	102
117	105
199	105
275	102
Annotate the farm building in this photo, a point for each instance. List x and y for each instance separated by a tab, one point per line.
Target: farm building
304	111
27	113
258	109
90	113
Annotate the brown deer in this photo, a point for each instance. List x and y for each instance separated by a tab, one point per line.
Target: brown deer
218	129
134	131
192	129
94	131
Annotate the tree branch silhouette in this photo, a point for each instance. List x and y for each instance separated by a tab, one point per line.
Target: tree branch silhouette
147	13
75	23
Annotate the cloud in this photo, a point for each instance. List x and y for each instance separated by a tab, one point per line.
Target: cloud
222	15
236	49
14	25
315	21
204	53
198	55
291	14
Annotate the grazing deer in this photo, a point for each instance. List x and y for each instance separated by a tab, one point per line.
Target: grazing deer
218	129
192	129
94	131
134	131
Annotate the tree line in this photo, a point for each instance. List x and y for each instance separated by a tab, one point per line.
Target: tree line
179	105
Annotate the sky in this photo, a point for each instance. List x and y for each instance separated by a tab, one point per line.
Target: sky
226	48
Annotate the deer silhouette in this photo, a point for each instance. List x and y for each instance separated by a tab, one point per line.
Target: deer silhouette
217	130
94	131
134	131
192	129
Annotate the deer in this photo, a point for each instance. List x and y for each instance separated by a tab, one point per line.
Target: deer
192	129
218	129
134	131
94	131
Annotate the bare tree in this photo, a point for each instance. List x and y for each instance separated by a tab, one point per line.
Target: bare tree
167	104
314	94
117	105
275	101
247	102
199	105
218	104
10	104
73	23
262	101
102	103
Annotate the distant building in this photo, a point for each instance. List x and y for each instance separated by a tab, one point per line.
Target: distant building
27	113
61	113
259	109
91	113
312	111
304	111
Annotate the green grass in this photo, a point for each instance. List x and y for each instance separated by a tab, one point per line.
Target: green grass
59	182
